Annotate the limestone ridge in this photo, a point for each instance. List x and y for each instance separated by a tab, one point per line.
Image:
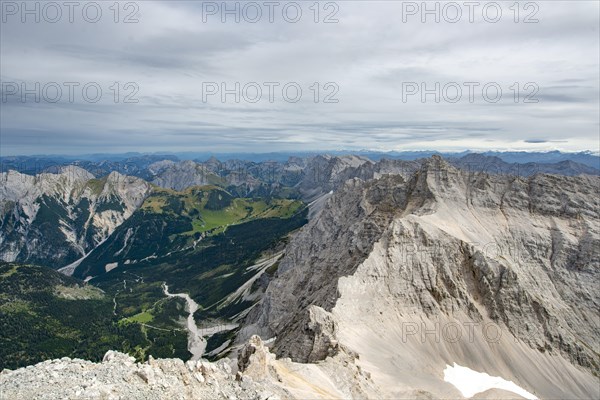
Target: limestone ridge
522	252
336	243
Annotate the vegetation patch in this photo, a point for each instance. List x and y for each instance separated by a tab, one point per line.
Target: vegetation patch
200	241
9	270
85	292
35	317
96	185
143	318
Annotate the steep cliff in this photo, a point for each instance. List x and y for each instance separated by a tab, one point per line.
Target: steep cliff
498	273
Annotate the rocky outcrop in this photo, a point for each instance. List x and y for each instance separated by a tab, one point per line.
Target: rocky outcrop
253	360
119	377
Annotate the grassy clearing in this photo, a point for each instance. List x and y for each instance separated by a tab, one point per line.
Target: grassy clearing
281	209
155	204
242	210
142	318
211	219
78	292
201	205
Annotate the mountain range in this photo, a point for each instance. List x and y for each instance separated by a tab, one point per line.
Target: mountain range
364	277
80	205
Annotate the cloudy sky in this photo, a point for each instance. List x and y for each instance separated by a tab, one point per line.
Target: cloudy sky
369	74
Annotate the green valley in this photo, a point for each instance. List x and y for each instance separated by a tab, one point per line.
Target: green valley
202	241
206	242
45	315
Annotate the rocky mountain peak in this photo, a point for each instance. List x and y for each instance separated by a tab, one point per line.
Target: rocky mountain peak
54	219
75	173
445	246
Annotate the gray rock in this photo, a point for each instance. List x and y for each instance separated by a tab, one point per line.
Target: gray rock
520	252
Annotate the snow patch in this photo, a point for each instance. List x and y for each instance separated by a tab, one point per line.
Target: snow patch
470	382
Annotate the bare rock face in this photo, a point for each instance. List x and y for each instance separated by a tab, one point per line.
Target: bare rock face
324	173
115	356
55	219
352	222
181	175
397	256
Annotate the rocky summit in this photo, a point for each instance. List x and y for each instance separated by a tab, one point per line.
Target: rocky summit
256	375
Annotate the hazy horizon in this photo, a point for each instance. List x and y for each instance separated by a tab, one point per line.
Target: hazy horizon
191	153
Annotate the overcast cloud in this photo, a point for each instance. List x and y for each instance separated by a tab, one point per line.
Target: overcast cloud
369	57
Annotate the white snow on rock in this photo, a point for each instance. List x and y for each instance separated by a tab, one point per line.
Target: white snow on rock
470	382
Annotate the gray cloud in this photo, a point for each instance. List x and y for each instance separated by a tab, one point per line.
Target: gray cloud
369	55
